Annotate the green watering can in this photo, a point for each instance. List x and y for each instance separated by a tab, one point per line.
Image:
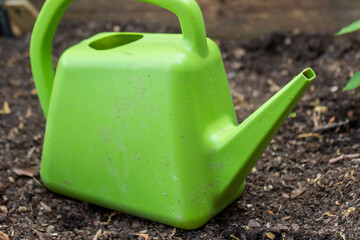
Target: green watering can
145	124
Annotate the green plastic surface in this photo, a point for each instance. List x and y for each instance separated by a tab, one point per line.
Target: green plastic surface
145	124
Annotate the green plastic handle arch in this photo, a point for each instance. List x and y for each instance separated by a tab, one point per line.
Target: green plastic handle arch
188	12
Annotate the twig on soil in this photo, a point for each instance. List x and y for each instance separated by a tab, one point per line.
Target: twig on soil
45	207
306	135
297	192
325	214
109	218
344	156
97	235
330	126
332	119
342	235
233	237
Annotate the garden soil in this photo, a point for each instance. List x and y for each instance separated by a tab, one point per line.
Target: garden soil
305	186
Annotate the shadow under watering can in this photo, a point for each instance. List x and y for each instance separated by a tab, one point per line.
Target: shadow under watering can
145	124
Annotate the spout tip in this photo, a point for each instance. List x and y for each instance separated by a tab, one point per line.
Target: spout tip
309	74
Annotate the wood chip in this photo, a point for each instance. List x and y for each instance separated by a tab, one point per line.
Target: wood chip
4	209
33	92
29	172
285	195
145	236
356	146
351	209
12	133
321	109
270	235
28	113
332	119
45	207
3	236
97	235
318	110
297	192
6	109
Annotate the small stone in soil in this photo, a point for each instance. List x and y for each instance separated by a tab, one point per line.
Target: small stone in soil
286	218
295	227
50	229
254	224
22	209
239	53
279	228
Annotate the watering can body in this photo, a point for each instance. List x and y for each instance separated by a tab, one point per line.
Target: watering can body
145	124
128	132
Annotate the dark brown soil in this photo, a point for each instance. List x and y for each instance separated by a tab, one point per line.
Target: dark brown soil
300	189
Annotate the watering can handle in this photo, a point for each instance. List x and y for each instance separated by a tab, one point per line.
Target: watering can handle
188	12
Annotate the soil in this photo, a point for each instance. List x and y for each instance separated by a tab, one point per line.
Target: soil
306	185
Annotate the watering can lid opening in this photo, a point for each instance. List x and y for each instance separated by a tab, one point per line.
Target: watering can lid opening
114	40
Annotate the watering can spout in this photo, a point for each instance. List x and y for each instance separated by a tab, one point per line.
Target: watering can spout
244	144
